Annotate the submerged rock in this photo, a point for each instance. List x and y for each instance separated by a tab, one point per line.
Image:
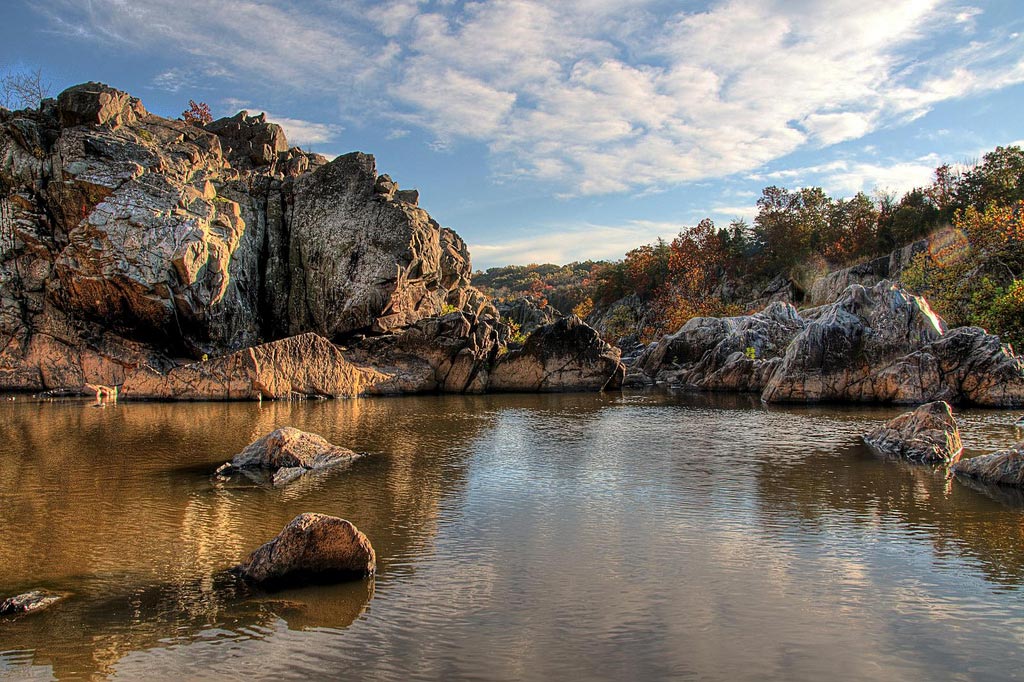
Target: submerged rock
287	453
28	602
312	548
1005	467
928	434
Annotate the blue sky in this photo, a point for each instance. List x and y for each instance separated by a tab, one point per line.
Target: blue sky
559	131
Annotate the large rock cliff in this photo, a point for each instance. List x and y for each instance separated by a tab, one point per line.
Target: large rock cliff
131	244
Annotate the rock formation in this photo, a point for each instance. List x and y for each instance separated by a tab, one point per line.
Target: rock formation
132	245
285	454
527	314
312	548
558	356
928	434
871	345
1005	467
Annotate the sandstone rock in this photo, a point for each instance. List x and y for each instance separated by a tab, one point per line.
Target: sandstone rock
304	365
287	453
1005	467
28	602
928	434
312	548
566	355
98	104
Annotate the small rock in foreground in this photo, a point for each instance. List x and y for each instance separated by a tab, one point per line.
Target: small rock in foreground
29	602
313	548
1005	466
286	454
928	434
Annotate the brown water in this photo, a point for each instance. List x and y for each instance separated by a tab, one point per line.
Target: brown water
518	537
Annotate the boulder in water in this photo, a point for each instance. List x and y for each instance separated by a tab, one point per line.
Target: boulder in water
313	548
287	453
928	434
28	602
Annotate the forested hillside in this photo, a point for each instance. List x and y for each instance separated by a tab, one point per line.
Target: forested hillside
973	273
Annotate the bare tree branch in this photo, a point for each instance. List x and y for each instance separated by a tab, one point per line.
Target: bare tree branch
23	89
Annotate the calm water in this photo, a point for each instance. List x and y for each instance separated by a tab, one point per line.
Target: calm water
518	537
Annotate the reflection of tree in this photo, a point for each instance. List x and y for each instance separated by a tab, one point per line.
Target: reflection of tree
117	506
875	491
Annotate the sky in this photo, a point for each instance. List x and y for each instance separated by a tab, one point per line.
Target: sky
571	129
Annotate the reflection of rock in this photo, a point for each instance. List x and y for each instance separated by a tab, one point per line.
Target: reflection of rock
928	434
872	345
287	453
312	548
1005	467
28	602
564	356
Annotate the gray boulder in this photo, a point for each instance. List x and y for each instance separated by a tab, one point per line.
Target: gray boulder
313	548
928	434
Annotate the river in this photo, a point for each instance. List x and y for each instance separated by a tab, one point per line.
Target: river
535	537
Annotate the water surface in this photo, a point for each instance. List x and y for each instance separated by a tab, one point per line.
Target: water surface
529	537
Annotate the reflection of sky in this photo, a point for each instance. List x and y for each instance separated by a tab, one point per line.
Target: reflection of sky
590	538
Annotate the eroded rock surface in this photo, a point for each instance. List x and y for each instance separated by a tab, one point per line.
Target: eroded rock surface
565	355
312	548
878	344
1005	467
285	454
928	434
133	246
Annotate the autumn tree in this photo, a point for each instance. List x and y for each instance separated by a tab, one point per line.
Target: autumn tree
197	114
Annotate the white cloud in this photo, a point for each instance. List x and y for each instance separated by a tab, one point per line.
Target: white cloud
845	177
595	96
584	241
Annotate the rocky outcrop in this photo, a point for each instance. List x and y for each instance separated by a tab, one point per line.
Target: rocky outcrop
725	354
285	454
928	434
871	345
28	602
213	238
312	548
131	246
829	287
527	314
1005	467
566	355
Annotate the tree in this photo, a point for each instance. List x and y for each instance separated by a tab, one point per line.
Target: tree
197	114
23	89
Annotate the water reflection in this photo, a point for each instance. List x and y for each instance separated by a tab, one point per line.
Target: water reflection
530	537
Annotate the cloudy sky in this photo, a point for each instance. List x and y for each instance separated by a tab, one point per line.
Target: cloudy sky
561	130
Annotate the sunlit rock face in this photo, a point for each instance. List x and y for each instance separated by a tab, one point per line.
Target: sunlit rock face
928	434
128	240
877	344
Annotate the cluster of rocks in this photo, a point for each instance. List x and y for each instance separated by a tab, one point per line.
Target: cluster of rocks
131	245
930	434
879	344
312	548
